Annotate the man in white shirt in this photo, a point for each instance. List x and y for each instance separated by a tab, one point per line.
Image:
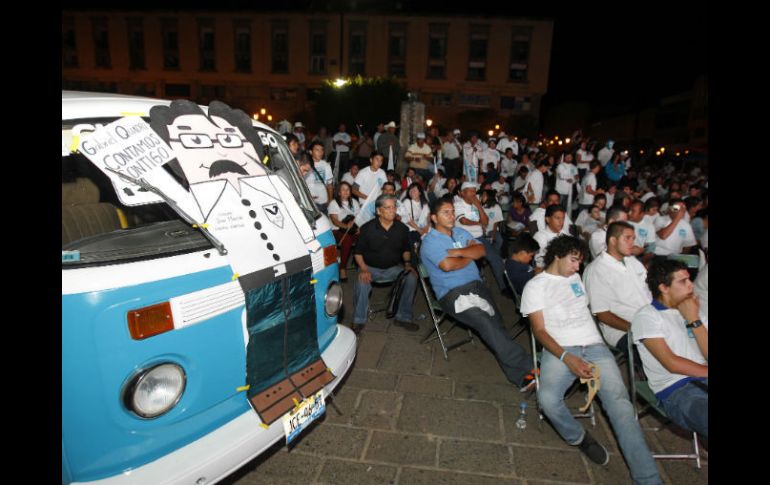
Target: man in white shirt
505	142
369	181
320	179
508	165
350	175
473	156
598	241
342	142
533	189
589	186
644	244
538	215
555	301
676	236
470	215
566	176
616	285
554	223
673	344
584	157
420	157
451	151
605	154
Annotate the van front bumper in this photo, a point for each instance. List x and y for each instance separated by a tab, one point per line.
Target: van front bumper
221	452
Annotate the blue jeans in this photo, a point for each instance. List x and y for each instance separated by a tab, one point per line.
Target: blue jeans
494	260
688	407
514	360
362	291
556	378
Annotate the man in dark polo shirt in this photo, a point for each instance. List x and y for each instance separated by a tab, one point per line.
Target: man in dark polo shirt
382	245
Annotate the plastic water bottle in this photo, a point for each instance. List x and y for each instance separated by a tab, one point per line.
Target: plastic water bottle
521	423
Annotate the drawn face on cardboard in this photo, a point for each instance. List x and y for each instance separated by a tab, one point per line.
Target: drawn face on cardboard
211	149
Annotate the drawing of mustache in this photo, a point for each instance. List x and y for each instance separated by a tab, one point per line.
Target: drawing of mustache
224	166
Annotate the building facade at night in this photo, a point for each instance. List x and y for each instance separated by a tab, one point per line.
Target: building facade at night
496	67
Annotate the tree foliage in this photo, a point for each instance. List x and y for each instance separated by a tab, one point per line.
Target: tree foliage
363	101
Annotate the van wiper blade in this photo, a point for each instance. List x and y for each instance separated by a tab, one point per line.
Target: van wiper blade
151	188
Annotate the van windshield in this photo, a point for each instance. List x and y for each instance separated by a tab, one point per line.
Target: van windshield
98	229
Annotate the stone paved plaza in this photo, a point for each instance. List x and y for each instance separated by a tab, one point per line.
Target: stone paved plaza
410	417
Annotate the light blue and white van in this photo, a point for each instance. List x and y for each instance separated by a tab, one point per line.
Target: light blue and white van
158	360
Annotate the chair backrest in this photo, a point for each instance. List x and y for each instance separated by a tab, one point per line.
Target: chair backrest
516	295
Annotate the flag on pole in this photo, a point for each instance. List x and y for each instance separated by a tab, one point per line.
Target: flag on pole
390	158
367	211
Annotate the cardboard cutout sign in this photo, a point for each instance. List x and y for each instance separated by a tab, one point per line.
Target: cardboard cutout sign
129	146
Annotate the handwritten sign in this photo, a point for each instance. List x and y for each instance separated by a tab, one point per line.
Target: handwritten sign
129	146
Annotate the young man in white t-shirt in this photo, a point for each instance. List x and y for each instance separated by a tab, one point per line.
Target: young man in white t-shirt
556	303
673	344
616	285
589	186
598	242
675	236
369	178
644	244
533	189
320	180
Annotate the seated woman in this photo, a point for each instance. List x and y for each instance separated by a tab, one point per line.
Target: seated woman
518	216
414	211
342	211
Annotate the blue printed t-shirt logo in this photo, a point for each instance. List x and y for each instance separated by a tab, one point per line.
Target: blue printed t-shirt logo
577	289
682	233
642	232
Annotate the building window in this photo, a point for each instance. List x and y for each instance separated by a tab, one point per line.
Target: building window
207	49
178	90
282	94
437	48
143	89
101	42
441	99
357	51
474	100
135	30
477	53
520	104
169	31
69	50
242	30
317	47
280	47
397	50
211	92
521	40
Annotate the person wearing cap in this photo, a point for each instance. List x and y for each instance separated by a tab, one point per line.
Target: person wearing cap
420	157
389	141
299	133
472	217
473	156
451	151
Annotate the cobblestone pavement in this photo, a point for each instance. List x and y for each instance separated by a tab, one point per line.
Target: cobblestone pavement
410	417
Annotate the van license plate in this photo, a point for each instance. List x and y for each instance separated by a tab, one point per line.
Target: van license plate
301	416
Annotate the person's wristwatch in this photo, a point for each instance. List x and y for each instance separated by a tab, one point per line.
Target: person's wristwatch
694	324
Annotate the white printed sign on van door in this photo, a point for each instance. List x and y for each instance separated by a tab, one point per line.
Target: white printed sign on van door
129	146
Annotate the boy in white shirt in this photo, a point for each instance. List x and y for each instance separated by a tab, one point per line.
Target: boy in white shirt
556	303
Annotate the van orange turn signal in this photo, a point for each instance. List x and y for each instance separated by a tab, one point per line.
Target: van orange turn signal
150	320
330	255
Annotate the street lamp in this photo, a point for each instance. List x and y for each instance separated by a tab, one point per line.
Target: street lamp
262	111
339	82
497	127
428	122
490	132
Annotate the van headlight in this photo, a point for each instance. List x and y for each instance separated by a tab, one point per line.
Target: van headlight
156	390
333	299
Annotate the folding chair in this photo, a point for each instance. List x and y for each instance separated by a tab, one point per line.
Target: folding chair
379	284
517	304
641	388
437	315
591	414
